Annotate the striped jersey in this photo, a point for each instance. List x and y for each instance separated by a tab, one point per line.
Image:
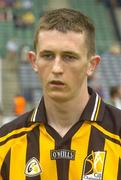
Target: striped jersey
30	149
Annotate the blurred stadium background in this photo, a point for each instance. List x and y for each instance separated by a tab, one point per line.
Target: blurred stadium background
18	19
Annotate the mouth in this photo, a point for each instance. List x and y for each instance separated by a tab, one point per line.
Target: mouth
57	83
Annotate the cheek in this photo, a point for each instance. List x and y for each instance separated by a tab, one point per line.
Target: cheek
40	70
76	78
43	71
79	72
40	67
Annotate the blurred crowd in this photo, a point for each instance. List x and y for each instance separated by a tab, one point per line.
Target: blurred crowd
20	11
115	96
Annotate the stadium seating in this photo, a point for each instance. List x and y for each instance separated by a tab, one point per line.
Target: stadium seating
110	72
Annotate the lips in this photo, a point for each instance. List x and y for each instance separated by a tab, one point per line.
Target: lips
57	82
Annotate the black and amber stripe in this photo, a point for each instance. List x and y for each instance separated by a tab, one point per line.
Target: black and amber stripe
119	169
14	149
48	166
32	150
6	166
35	138
37	141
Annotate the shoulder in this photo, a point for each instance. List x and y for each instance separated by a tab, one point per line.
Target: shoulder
113	112
112	119
16	124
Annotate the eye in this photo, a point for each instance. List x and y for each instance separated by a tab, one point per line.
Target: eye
47	56
68	57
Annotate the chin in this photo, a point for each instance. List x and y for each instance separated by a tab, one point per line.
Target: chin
59	97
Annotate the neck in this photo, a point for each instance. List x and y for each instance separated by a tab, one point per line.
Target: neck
63	115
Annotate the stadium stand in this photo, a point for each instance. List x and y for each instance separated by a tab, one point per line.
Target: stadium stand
110	72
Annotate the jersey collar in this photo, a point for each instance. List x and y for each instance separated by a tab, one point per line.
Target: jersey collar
93	111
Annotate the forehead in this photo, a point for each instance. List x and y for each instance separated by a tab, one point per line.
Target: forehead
66	41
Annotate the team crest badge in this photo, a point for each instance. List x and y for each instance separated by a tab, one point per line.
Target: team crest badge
32	168
94	166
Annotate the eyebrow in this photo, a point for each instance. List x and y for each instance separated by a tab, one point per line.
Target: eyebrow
71	53
45	51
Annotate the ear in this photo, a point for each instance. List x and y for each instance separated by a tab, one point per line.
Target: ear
94	61
32	59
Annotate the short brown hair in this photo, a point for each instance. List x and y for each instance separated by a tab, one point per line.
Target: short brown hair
65	20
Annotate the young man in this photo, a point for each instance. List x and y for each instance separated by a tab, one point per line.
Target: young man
72	133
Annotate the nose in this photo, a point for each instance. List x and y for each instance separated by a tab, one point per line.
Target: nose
57	66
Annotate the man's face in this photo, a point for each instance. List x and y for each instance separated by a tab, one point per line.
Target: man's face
62	64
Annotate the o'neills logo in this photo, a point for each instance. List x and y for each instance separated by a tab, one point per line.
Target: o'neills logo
62	154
